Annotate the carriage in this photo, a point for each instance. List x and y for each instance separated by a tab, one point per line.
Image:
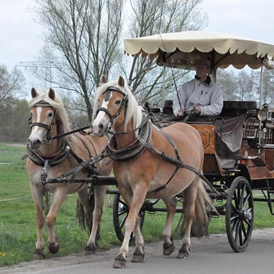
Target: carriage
237	146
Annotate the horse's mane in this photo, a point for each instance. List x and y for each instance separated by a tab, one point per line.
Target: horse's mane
62	120
133	112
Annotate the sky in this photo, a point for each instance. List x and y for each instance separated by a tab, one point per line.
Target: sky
21	37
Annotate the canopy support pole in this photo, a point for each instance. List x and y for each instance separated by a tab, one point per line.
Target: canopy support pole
164	86
214	75
261	85
260	105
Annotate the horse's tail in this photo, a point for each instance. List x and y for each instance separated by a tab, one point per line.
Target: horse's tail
203	209
47	203
85	218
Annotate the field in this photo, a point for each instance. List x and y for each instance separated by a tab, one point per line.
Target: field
17	216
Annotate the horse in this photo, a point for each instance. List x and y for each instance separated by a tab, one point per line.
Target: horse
151	163
48	157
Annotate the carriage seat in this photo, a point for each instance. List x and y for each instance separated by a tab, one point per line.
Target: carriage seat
238	108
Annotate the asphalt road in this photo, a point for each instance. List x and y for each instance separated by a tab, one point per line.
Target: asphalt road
210	255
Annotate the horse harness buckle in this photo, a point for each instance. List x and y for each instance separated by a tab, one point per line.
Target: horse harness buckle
44	173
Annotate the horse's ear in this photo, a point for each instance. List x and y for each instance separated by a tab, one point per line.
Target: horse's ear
34	93
51	94
121	81
104	79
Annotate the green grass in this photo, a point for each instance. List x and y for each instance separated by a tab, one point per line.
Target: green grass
17	217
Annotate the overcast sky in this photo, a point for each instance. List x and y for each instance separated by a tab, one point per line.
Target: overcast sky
21	38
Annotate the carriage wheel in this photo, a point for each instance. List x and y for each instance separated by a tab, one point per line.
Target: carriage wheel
239	214
120	213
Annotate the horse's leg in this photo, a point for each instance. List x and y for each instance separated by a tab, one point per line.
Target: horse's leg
134	208
58	197
99	196
168	246
37	196
138	255
189	197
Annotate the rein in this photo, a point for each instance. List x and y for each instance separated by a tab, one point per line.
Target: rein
67	133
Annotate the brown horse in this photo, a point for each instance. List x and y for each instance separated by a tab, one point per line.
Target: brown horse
149	163
48	158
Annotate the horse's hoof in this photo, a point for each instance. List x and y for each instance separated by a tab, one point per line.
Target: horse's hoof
168	249
120	261
54	247
89	250
183	253
138	256
38	254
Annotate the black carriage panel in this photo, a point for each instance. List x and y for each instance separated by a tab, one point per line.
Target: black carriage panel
238	108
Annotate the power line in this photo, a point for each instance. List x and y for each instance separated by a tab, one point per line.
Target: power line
48	65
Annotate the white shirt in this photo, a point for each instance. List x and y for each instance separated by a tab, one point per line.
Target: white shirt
195	92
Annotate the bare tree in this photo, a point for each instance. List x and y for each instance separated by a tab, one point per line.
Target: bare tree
83	42
153	17
268	88
82	38
10	84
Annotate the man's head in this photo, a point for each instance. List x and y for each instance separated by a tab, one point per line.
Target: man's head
202	68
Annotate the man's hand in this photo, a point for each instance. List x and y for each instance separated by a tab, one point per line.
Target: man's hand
180	112
196	110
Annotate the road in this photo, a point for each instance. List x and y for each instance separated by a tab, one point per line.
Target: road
209	255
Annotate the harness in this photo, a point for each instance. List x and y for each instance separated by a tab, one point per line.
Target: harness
61	155
135	149
141	143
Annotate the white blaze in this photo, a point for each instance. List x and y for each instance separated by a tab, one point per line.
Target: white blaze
36	133
100	116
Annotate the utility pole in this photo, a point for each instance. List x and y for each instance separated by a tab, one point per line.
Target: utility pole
47	65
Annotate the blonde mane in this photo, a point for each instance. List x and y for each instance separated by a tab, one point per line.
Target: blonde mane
62	120
133	111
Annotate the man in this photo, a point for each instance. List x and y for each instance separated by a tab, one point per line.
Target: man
199	96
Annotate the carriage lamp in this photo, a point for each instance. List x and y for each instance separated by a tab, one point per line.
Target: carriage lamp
265	113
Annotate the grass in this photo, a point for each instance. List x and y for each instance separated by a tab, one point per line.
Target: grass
17	217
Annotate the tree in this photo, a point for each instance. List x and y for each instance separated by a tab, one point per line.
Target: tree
268	87
10	84
83	36
227	82
245	89
152	17
14	121
83	40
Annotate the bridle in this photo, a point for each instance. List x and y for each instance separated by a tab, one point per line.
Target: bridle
124	102
47	138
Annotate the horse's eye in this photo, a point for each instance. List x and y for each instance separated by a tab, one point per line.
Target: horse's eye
118	102
50	114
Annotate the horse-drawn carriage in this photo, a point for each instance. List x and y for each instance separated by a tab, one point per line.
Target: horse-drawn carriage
238	144
224	157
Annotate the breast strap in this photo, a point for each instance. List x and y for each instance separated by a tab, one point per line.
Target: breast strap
135	149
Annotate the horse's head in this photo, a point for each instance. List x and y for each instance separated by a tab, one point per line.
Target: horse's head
110	106
42	118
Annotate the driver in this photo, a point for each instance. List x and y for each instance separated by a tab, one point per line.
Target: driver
199	96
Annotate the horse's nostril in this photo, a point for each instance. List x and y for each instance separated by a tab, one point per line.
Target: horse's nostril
34	144
100	126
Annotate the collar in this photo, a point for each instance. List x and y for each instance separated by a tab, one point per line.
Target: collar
207	81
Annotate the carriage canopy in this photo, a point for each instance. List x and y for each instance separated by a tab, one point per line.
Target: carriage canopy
182	49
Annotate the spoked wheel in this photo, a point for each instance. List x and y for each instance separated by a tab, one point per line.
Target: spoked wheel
120	213
239	214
